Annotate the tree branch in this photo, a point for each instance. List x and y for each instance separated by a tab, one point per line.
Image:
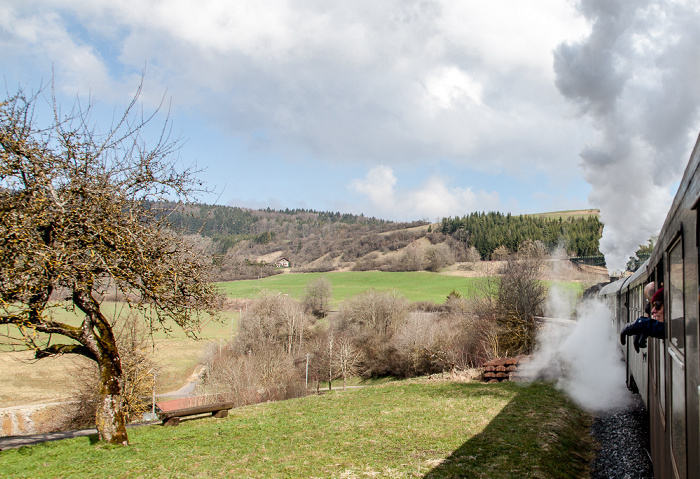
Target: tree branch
57	349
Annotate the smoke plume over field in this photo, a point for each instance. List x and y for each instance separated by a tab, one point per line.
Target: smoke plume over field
633	77
583	358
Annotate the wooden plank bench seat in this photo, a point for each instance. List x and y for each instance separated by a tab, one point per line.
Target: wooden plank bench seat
172	417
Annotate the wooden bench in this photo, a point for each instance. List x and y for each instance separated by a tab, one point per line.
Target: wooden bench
171	417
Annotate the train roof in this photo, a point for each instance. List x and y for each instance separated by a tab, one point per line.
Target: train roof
640	275
613	287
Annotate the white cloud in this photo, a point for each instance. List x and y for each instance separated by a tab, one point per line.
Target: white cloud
391	82
433	199
378	185
451	87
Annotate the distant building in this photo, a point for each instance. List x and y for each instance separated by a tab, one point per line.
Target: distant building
282	263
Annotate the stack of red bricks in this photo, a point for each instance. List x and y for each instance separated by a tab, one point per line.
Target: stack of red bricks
502	369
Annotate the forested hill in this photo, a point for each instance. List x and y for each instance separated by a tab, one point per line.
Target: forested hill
242	241
488	231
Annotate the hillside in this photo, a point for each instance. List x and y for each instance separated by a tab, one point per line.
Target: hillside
245	244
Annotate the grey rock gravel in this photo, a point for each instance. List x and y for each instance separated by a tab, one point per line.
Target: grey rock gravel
623	435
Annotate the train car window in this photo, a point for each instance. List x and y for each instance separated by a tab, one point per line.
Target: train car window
659	352
676	350
635	302
675	314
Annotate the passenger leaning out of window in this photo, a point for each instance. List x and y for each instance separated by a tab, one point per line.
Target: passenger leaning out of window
643	327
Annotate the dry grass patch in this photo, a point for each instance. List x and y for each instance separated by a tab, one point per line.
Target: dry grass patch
26	381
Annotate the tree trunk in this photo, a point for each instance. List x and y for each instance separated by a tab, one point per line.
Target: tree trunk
99	338
111	425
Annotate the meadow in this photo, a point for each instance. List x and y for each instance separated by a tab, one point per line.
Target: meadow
416	286
414	428
25	381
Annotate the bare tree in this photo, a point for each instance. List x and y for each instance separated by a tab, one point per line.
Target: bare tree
371	319
76	213
380	312
500	254
412	258
331	361
347	358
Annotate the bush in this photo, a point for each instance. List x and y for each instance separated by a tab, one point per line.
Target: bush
265	363
268	374
519	298
500	254
317	298
370	319
438	256
369	262
273	319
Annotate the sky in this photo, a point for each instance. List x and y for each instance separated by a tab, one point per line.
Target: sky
403	110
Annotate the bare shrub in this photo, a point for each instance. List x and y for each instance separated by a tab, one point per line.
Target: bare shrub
378	312
234	375
274	319
322	267
465	337
500	254
437	342
138	375
263	364
368	262
317	297
371	319
472	257
519	298
438	256
412	342
426	307
532	249
412	259
320	349
347	358
269	374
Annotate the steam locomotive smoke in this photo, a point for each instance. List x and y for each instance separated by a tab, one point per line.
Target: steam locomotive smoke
634	78
584	358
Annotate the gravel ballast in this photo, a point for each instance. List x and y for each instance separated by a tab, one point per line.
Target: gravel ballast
623	435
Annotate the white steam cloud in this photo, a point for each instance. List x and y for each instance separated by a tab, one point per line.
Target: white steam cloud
632	76
584	358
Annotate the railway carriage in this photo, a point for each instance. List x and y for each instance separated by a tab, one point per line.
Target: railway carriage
667	372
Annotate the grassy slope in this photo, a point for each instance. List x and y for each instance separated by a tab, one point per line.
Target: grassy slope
403	429
568	214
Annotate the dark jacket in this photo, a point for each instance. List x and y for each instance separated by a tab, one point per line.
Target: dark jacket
641	329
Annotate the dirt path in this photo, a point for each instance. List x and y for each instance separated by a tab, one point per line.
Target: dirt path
13	442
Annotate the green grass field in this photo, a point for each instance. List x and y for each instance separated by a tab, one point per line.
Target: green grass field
418	428
416	286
